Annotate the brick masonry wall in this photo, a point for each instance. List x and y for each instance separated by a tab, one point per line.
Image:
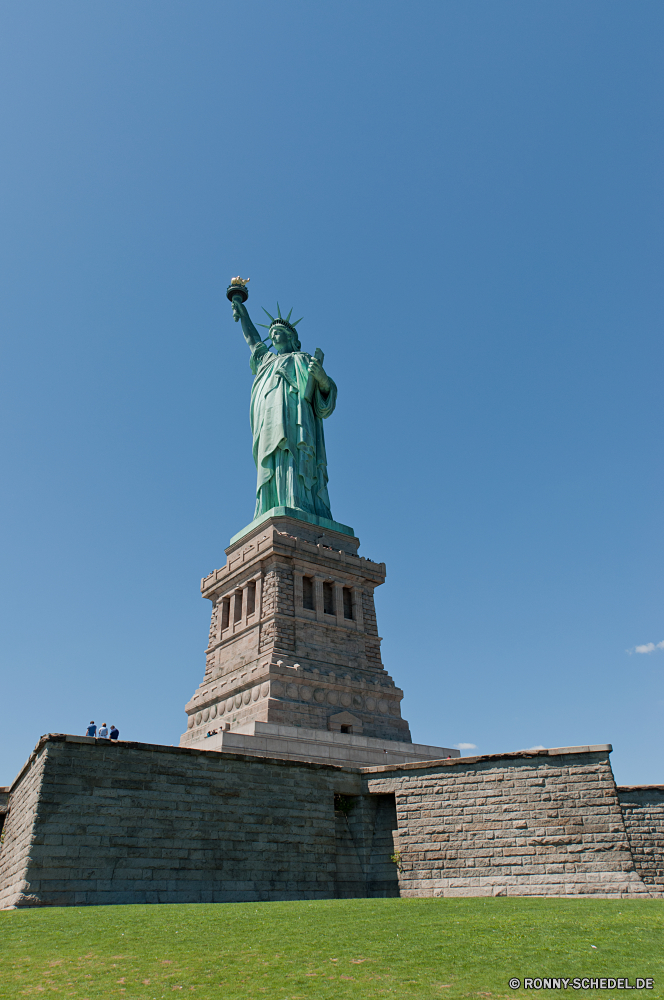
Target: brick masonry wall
278	591
93	822
643	812
18	831
545	823
371	644
278	633
135	823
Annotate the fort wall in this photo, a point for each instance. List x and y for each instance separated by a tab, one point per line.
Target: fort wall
136	823
530	823
643	812
94	821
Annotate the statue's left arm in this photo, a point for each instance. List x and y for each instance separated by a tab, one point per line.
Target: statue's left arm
325	394
322	378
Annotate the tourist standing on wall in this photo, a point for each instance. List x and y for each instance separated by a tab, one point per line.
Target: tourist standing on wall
92	729
103	731
115	732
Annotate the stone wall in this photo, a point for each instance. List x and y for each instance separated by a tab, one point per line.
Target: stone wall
93	821
18	833
531	823
136	823
643	812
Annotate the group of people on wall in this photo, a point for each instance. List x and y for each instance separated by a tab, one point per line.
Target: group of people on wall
104	732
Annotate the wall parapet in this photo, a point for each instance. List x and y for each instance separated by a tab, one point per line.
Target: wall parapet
509	755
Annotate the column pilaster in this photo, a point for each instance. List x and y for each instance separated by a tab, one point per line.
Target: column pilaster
318	596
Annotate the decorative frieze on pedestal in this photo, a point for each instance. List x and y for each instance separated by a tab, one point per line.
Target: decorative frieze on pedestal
293	638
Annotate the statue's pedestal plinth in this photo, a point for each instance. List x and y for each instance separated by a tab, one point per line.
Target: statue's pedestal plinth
293	639
303	518
264	739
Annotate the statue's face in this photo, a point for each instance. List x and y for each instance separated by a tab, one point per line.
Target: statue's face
281	339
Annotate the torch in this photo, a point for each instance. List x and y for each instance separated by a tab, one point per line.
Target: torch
238	290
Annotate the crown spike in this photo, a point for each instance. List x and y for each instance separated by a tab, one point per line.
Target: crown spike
271	318
279	312
289	315
297	320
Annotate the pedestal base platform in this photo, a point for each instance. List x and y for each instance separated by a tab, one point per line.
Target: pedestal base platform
264	739
298	515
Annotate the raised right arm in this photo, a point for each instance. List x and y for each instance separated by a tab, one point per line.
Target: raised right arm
251	334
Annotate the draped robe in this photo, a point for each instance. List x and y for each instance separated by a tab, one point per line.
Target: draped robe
289	444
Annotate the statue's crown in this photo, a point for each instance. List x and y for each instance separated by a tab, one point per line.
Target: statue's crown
280	320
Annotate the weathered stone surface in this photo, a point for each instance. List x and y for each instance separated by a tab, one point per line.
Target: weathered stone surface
322	746
280	655
103	822
93	821
15	854
531	823
643	812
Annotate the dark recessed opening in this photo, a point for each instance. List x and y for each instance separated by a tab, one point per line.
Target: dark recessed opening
328	598
348	603
237	614
225	612
346	729
308	593
344	803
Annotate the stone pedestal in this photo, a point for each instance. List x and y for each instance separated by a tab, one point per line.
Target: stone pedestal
293	638
320	746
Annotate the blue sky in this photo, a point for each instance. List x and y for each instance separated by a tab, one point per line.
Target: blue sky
464	201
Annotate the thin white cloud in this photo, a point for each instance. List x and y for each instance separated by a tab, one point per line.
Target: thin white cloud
465	746
538	747
648	647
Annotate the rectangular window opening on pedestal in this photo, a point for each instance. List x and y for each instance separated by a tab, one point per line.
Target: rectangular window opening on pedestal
225	612
237	613
348	603
308	593
251	598
328	598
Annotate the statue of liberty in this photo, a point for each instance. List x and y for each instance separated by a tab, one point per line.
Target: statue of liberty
290	397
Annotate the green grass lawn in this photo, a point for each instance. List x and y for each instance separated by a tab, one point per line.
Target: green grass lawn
329	949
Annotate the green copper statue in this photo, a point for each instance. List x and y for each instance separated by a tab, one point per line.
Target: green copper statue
290	398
